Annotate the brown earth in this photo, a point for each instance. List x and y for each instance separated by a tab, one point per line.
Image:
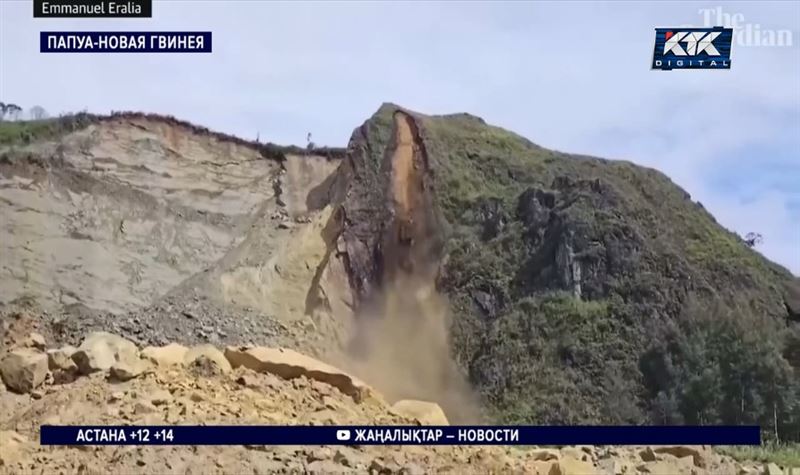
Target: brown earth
204	392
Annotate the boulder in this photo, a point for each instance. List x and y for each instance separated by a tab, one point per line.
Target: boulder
544	454
290	364
124	371
15	448
35	340
427	413
380	465
169	355
664	467
240	356
24	369
160	397
412	468
611	466
571	466
741	469
101	350
772	469
647	454
60	359
577	453
350	457
144	407
540	467
209	352
699	454
326	466
204	367
687	462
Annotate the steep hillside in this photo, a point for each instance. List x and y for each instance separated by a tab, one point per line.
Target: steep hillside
438	258
162	230
582	290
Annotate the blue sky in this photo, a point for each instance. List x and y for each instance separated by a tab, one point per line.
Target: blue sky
573	76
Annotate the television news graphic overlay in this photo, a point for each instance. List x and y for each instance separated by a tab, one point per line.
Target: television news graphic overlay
399	435
692	48
92	8
125	42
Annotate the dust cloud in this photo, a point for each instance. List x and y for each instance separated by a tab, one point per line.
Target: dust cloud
401	348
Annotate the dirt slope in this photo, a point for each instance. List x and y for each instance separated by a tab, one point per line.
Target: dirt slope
161	230
128	209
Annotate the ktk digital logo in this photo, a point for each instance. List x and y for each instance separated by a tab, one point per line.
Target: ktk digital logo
693	48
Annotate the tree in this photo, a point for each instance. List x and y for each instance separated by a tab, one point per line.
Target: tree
734	370
309	144
37	113
753	239
9	110
14	111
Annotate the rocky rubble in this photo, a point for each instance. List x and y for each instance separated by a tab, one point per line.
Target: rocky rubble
191	319
99	382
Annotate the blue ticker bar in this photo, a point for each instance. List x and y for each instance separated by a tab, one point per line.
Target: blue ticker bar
400	435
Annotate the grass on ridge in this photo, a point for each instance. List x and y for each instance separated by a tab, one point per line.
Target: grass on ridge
785	455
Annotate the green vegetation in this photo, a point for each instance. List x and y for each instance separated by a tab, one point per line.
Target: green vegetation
23	131
675	319
785	455
26	131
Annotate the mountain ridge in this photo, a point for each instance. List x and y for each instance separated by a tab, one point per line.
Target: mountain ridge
564	274
592	246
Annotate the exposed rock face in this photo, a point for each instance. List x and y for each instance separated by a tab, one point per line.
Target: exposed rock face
137	205
160	230
391	223
569	269
115	216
